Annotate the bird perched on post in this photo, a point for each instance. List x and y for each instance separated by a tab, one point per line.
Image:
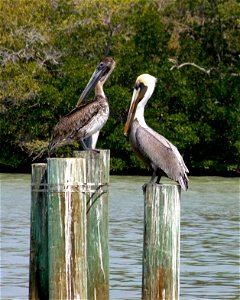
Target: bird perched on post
152	148
84	123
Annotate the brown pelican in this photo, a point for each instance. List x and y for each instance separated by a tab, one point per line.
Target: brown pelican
154	149
84	122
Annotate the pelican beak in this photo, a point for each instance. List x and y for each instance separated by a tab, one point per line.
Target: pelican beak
132	110
139	92
99	72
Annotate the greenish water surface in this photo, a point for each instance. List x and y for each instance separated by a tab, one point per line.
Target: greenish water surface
209	237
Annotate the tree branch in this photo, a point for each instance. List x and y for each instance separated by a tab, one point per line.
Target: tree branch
177	66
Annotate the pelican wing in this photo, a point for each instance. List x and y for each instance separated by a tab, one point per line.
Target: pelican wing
74	125
162	153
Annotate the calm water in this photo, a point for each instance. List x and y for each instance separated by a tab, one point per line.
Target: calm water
209	237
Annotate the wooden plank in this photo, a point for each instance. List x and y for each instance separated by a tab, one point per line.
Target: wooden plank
38	277
98	165
161	251
67	246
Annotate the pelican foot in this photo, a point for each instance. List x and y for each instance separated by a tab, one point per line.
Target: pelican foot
144	187
158	179
95	150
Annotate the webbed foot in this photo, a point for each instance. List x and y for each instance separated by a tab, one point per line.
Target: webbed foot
158	179
144	187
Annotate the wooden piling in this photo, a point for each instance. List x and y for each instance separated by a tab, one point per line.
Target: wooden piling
38	270
161	250
97	178
67	247
69	228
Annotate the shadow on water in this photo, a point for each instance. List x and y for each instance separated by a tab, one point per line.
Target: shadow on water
209	237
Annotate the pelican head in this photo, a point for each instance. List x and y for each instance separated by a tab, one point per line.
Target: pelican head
143	90
101	73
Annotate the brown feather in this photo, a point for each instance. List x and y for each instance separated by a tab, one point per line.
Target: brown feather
74	126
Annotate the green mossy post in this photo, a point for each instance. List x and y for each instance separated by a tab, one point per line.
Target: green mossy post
69	228
38	270
161	250
97	178
67	245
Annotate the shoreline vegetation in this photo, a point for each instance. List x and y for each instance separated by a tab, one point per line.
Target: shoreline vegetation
49	50
132	172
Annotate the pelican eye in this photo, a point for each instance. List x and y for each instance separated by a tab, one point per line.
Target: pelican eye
101	65
139	86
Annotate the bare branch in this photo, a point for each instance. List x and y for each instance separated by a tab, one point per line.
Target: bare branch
176	66
235	74
34	147
34	47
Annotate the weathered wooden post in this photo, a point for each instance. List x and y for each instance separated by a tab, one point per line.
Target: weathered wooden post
69	228
67	247
161	250
38	271
97	178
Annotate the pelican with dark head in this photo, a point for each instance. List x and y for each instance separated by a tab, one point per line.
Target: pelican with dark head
152	148
84	123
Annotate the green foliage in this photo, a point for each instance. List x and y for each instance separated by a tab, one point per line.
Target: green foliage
49	49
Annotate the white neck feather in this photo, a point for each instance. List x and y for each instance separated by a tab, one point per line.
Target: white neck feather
139	115
99	89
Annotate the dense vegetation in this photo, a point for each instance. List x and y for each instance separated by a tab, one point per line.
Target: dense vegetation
49	49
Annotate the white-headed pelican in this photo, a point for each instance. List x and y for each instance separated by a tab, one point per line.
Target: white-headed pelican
151	147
